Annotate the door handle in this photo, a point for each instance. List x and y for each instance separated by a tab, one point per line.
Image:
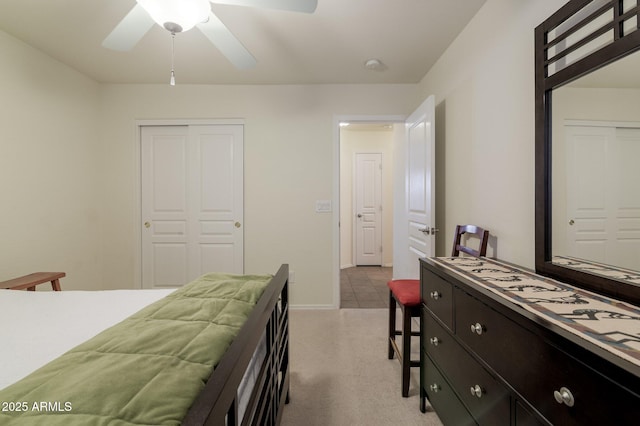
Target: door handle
429	231
359	215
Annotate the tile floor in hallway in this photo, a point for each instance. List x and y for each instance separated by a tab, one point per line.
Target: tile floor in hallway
364	287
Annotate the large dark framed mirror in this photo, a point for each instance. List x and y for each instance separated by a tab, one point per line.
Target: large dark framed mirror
587	59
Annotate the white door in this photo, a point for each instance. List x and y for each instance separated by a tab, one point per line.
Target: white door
368	209
192	202
626	195
420	185
586	224
603	197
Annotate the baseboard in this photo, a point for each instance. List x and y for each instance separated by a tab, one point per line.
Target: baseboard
311	307
386	265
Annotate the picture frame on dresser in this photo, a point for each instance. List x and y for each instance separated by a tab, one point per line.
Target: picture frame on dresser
585	45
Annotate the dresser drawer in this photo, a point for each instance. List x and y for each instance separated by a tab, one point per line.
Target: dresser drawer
486	398
443	399
536	369
524	417
437	295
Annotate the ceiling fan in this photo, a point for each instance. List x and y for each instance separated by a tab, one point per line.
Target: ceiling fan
181	15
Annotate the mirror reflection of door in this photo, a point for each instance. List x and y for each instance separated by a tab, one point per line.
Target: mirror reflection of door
603	195
368	208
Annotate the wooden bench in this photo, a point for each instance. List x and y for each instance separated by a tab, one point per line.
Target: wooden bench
32	280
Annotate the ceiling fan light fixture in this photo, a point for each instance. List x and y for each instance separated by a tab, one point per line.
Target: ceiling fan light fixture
177	15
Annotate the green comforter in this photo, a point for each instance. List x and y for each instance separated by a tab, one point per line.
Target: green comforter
146	370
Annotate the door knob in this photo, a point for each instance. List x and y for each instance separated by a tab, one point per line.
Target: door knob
359	215
147	224
429	231
571	222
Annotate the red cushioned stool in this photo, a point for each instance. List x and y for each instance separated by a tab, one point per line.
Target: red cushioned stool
405	293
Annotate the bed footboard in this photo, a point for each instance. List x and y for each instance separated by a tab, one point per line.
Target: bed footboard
217	404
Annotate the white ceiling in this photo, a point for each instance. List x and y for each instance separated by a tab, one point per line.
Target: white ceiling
328	46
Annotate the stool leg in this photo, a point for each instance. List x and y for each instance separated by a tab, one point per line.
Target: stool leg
392	324
55	285
406	350
423	393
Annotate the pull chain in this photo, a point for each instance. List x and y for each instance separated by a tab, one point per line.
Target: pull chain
172	81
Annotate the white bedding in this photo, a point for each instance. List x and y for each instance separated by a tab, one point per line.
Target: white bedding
37	327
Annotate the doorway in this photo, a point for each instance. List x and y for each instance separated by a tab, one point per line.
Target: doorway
366	212
412	157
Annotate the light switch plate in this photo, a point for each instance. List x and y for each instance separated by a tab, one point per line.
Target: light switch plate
323	206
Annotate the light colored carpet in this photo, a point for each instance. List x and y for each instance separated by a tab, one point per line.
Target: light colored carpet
340	374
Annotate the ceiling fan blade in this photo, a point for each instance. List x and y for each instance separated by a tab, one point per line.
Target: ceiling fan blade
307	6
130	30
228	44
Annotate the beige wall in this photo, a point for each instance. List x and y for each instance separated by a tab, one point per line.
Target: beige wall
352	142
68	169
50	216
69	164
484	88
289	164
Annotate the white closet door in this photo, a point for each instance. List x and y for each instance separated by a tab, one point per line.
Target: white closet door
603	197
587	187
192	202
626	199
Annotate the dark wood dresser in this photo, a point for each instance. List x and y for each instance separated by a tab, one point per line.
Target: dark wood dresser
503	346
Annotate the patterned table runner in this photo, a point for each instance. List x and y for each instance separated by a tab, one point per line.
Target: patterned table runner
609	323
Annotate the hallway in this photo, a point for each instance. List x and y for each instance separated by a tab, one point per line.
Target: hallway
364	287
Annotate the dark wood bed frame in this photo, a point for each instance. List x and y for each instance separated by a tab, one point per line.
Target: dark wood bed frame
217	404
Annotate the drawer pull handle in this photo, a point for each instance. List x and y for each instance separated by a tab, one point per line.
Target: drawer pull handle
477	328
477	391
564	396
435	341
435	295
435	387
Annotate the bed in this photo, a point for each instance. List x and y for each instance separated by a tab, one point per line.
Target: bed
249	384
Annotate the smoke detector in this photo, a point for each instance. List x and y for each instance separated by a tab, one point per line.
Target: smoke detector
374	65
